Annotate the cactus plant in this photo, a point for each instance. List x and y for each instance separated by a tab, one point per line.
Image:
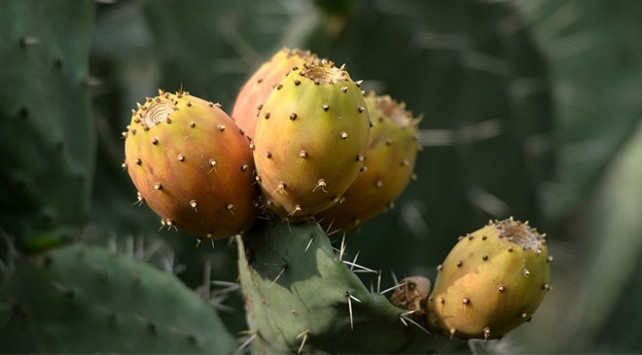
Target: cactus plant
46	129
300	296
89	299
316	122
508	87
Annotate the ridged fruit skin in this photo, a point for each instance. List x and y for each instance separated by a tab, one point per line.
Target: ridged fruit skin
259	86
492	281
311	140
389	166
298	295
192	165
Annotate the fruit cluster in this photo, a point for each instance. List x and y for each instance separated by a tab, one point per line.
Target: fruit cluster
305	142
302	139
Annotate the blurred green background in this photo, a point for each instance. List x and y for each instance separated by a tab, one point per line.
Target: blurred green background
531	109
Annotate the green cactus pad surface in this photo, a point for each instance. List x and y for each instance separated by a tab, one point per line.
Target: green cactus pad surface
298	292
81	299
46	129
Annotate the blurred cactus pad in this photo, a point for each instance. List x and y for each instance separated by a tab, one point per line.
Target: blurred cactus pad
46	125
89	298
523	108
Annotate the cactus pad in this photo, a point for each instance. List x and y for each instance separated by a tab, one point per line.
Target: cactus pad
46	126
300	296
81	299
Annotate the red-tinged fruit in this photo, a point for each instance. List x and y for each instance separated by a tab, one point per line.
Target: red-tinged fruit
192	165
492	281
311	140
388	168
259	86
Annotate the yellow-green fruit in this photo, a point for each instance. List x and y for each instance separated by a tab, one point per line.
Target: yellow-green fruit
192	165
311	140
258	87
492	281
388	168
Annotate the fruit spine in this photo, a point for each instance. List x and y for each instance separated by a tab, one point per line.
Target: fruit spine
389	165
492	281
311	140
192	165
256	90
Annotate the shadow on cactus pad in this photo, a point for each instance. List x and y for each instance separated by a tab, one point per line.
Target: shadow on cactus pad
301	297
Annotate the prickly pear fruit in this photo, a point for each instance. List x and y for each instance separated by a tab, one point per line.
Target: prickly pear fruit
492	281
412	295
192	165
389	165
257	89
311	140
